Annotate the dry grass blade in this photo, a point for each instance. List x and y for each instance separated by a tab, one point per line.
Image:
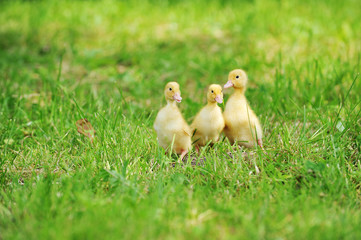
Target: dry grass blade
84	127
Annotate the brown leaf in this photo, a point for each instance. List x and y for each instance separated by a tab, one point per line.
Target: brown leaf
121	68
84	127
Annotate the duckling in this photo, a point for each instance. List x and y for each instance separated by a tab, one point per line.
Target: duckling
242	124
170	124
209	122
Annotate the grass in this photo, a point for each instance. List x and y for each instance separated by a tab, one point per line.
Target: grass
108	61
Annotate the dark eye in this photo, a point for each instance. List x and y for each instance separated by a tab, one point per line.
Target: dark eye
237	76
170	89
212	91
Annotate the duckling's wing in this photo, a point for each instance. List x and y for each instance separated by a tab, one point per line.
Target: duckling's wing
187	132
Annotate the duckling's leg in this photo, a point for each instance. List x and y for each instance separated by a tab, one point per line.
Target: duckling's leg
183	153
260	143
197	149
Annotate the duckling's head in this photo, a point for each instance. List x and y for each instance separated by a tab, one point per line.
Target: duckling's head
172	92
215	94
237	79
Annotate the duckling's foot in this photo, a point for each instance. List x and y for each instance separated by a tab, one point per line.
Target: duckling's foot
260	143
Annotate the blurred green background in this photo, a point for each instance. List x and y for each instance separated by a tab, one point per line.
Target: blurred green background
108	61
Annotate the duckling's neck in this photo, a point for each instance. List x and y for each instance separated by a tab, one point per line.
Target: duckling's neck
239	91
211	104
171	103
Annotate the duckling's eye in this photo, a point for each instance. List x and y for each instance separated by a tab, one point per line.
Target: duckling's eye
212	91
237	76
170	89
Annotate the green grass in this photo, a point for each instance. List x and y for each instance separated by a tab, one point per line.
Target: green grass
108	61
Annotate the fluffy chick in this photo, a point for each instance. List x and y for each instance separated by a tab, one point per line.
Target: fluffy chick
170	124
242	124
209	122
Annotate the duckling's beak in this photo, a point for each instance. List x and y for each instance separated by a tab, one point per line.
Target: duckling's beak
228	84
219	99
177	97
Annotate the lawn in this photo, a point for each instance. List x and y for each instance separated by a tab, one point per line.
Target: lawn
108	61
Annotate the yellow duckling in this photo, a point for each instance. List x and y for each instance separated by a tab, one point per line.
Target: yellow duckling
170	124
209	122
242	124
